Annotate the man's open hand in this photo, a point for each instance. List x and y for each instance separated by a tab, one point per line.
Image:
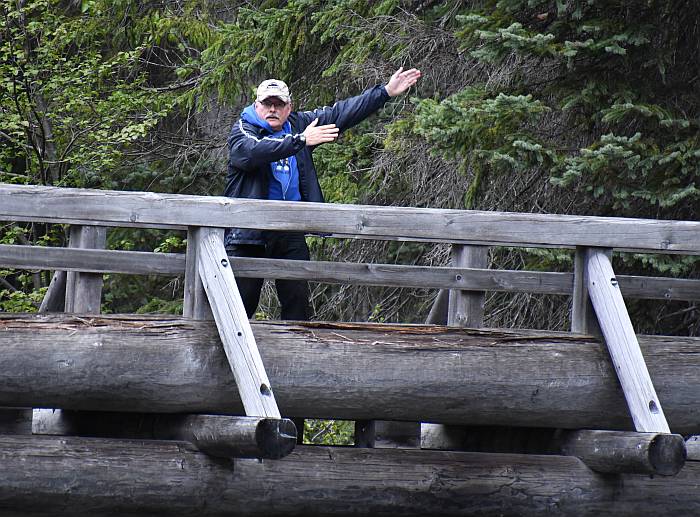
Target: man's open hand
316	135
402	81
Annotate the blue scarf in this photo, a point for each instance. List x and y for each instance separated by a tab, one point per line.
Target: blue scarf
284	173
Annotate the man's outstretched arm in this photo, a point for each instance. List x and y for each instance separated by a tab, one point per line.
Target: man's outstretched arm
346	113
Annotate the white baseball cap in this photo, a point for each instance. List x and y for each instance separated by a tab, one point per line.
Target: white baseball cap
273	88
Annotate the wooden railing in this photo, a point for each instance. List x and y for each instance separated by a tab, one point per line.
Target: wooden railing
460	227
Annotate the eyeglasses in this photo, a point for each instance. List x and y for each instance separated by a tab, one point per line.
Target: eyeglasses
269	103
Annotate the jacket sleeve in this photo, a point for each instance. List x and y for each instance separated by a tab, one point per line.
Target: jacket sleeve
348	112
249	151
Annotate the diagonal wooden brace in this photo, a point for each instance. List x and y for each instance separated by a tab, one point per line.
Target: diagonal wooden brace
234	328
622	344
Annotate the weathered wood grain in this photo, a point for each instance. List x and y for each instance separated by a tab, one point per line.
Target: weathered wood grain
55	297
146	263
236	335
621	340
346	371
84	290
617	452
583	317
610	452
82	476
92	261
692	445
195	302
217	435
113	208
438	311
466	308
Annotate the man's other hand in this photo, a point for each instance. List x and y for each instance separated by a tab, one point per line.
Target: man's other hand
316	134
402	81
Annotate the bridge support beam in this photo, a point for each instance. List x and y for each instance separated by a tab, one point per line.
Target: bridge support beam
345	371
83	476
610	452
217	435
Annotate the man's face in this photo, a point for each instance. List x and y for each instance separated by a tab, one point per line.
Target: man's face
274	111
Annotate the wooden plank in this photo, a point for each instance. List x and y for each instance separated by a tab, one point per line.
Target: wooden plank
84	290
583	318
147	263
234	329
74	241
55	297
196	304
466	308
342	371
113	208
217	435
91	261
641	397
82	476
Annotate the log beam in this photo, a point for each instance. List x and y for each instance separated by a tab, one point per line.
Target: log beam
217	435
609	452
616	452
342	371
84	476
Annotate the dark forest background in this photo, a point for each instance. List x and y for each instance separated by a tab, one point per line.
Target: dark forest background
587	107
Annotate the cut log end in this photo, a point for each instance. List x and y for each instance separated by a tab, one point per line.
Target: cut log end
667	454
276	438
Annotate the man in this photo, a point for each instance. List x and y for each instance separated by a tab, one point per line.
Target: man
270	151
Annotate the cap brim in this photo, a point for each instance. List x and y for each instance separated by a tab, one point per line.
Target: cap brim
283	98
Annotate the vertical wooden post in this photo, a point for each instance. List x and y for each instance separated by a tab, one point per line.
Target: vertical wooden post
583	318
195	305
466	308
623	346
84	290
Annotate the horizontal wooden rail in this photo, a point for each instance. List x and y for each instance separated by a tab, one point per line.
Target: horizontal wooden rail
147	263
114	208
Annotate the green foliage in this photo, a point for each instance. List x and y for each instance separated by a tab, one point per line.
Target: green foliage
329	432
605	75
489	132
70	108
172	244
343	166
20	301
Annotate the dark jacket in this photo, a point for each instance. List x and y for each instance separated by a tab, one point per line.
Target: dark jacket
251	150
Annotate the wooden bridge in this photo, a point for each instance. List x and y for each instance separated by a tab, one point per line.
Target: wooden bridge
193	415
